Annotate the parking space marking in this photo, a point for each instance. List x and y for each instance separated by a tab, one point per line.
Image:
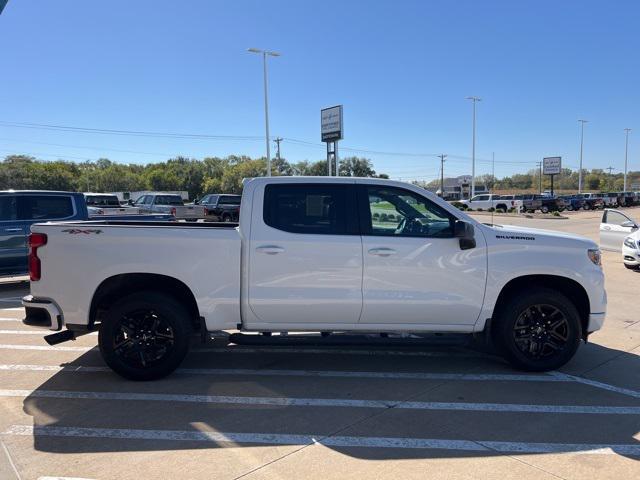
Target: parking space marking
9	319
310	373
594	383
42	333
331	441
324	402
44	347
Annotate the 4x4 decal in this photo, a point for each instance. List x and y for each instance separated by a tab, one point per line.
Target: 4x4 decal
75	231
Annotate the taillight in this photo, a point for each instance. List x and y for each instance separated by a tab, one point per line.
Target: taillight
36	240
206	211
173	211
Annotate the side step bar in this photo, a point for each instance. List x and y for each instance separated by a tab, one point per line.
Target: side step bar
454	339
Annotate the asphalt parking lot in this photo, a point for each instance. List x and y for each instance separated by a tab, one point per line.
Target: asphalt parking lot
327	412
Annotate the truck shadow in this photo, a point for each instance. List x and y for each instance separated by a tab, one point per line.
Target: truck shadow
137	420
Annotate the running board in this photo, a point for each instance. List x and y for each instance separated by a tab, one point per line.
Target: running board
454	339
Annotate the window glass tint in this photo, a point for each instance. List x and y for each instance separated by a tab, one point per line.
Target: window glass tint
313	209
480	198
399	212
616	218
230	200
102	201
44	207
7	207
169	200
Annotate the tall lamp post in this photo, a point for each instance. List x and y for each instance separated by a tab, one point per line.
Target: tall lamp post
582	122
266	53
626	151
473	147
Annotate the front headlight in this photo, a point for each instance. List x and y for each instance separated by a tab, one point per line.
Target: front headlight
628	242
595	256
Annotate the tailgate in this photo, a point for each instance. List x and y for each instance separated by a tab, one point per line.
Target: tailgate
190	211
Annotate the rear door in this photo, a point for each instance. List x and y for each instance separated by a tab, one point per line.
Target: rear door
13	245
414	269
305	256
614	227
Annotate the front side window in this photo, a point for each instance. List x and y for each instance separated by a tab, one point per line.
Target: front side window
616	218
398	212
480	198
44	207
310	209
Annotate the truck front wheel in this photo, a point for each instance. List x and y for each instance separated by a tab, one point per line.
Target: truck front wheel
537	331
145	336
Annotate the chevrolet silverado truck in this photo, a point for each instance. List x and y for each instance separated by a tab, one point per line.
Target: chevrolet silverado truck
172	204
315	254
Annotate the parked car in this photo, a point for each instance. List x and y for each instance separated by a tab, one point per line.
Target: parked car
610	200
309	256
221	208
172	204
512	202
551	204
630	199
615	226
573	202
108	204
19	209
592	201
485	202
530	202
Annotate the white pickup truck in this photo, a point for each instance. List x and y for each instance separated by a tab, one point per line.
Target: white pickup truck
501	203
315	254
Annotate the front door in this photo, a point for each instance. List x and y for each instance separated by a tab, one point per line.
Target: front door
615	226
414	269
305	258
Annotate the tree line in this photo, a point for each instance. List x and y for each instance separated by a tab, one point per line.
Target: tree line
198	177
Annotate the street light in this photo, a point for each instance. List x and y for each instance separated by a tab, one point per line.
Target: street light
266	100
473	147
626	151
582	122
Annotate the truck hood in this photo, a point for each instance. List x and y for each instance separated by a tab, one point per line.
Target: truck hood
519	234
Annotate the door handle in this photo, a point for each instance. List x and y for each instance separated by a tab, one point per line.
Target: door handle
12	230
382	252
606	227
270	249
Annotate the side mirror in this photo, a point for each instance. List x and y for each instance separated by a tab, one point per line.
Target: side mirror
629	223
130	202
465	232
196	202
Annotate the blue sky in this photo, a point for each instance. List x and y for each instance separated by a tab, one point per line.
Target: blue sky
402	69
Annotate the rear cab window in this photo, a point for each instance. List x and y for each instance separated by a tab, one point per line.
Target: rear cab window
169	200
8	209
319	209
44	207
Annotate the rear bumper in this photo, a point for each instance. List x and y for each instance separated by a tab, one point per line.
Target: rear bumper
42	313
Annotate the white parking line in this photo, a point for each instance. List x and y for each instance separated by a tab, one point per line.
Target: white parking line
42	333
308	373
337	441
9	319
44	347
594	383
324	402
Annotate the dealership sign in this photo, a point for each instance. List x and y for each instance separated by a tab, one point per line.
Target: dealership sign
331	123
551	165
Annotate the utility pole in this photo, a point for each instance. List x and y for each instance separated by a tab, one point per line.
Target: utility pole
539	177
277	141
473	147
442	157
582	122
610	168
626	151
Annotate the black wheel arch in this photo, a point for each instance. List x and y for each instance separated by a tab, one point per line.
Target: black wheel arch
118	286
564	285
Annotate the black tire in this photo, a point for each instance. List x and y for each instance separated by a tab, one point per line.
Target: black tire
153	341
191	219
586	206
226	218
501	208
527	341
632	267
570	208
544	209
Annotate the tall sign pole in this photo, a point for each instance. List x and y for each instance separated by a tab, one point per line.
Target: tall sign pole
626	151
473	147
582	122
331	131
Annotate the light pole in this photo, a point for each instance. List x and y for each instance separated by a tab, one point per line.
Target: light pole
582	122
442	157
473	147
626	151
266	53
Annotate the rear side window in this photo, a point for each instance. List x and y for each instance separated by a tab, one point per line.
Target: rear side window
44	207
307	208
230	200
8	209
169	200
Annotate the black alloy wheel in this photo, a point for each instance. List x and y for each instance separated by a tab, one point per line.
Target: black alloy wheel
541	331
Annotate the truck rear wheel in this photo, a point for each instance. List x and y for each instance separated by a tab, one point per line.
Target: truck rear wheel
537	331
145	336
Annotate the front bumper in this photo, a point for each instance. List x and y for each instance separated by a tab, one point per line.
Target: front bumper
42	313
630	256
